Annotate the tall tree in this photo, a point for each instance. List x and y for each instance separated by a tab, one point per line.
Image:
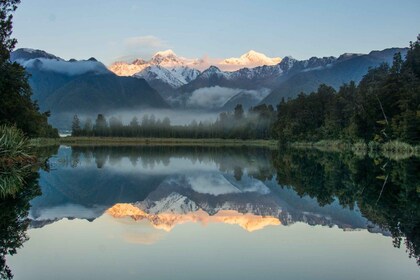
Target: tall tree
17	108
75	126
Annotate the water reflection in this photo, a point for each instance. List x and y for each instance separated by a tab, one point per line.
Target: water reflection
18	185
172	185
386	192
248	188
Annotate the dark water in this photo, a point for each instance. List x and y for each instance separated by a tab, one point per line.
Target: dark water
212	213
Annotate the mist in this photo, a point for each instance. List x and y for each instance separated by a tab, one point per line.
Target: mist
70	68
177	117
215	97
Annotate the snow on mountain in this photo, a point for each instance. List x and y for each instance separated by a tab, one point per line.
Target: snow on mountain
127	69
169	59
250	59
185	74
213	71
174	77
166	59
157	72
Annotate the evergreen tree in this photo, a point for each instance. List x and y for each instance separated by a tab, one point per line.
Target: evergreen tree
101	126
239	112
75	126
16	107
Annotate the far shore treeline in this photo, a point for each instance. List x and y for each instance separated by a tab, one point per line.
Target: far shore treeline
255	124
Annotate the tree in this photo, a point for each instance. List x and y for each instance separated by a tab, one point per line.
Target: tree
75	126
134	122
88	125
239	112
7	44
101	125
17	108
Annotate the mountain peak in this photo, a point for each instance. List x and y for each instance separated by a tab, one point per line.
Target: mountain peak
250	59
27	54
213	68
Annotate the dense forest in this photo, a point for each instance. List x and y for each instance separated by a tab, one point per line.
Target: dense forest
17	108
254	124
384	106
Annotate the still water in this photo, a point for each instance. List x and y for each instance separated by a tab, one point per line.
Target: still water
214	213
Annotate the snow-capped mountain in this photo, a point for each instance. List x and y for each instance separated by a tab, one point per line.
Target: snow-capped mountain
168	59
250	59
175	77
165	59
157	72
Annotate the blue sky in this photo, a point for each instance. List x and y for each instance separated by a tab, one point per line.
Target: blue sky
113	30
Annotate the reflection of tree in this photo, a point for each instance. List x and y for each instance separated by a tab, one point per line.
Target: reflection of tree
14	222
18	185
254	160
237	172
385	191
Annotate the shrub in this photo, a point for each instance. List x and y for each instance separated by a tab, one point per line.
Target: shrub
13	142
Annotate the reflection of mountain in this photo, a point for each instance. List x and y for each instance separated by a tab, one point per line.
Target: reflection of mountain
168	220
177	201
169	186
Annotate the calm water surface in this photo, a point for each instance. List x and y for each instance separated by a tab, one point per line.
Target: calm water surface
214	213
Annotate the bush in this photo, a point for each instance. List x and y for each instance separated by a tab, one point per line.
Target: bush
13	142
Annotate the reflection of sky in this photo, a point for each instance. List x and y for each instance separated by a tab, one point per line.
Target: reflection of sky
124	249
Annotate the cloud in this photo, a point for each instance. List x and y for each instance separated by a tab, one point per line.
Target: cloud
142	46
148	41
211	97
67	67
215	97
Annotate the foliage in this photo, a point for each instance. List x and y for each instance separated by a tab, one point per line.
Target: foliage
14	222
17	108
384	106
13	142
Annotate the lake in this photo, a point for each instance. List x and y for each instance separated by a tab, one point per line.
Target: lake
150	212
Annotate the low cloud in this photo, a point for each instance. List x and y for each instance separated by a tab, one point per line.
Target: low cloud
67	67
211	97
216	97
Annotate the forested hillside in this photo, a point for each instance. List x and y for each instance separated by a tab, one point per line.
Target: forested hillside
383	107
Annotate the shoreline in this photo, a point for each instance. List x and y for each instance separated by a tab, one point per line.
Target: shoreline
392	149
129	141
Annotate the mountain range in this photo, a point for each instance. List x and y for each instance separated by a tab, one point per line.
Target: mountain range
177	79
82	87
167	80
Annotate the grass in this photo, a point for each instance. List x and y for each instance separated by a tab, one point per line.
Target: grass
13	143
103	141
15	160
